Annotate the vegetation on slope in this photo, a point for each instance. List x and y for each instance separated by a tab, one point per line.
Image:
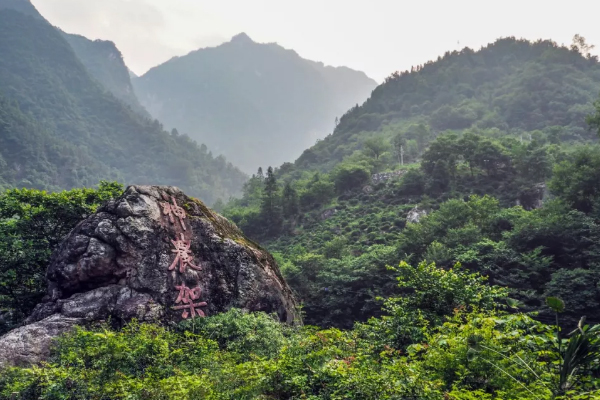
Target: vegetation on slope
487	304
449	338
47	88
105	63
334	232
511	86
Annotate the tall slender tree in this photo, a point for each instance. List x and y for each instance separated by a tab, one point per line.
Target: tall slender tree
271	205
289	201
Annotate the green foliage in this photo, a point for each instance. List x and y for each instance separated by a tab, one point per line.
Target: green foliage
350	176
270	208
248	335
429	295
318	191
437	293
375	147
556	304
145	361
337	289
579	356
473	352
511	87
577	179
485	130
32	224
60	129
550	251
492	353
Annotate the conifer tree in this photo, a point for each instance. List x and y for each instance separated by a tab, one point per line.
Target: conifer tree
271	208
289	201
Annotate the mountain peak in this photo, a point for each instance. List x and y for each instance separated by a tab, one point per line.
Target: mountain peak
22	6
241	38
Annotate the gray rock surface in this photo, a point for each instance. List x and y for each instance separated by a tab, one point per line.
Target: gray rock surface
385	176
415	215
31	343
121	263
326	214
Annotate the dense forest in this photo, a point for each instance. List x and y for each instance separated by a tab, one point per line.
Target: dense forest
511	193
243	97
105	63
444	241
62	129
511	87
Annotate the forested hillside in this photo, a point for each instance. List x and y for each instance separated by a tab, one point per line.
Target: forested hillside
23	6
254	103
45	86
105	63
31	156
510	87
510	192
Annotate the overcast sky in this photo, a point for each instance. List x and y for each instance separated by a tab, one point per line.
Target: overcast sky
375	36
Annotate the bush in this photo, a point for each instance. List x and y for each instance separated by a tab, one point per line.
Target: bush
350	176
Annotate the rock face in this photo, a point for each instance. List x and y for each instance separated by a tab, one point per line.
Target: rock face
385	176
326	214
154	254
31	343
415	215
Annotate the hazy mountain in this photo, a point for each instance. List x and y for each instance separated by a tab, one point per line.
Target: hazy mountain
75	132
101	58
259	104
23	6
105	63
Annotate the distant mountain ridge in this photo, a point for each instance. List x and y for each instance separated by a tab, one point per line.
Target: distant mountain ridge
101	58
258	104
105	62
75	131
22	6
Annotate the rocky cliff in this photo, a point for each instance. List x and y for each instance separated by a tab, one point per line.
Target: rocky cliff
154	254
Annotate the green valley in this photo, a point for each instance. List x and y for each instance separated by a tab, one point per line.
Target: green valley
443	243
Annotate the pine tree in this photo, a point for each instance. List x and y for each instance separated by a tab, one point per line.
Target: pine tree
270	208
290	201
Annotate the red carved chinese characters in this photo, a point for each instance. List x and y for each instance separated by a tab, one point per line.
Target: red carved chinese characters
174	210
187	297
183	255
184	258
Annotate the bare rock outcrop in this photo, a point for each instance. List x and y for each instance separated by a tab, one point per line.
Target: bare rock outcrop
30	344
415	215
154	254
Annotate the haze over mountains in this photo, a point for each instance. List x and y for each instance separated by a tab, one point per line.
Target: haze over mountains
69	118
258	104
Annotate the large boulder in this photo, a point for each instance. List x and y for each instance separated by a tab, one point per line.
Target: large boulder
31	343
154	254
